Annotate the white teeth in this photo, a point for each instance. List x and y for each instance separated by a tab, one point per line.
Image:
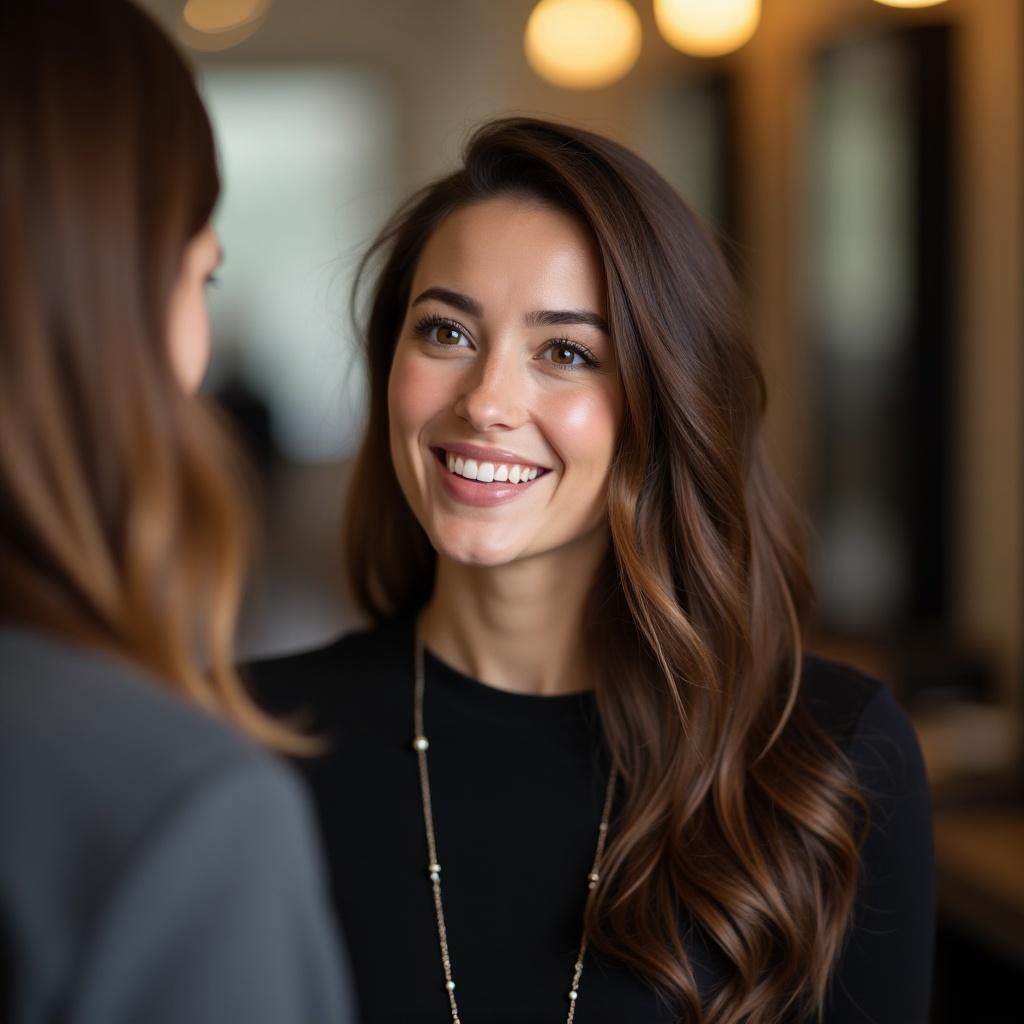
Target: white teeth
488	472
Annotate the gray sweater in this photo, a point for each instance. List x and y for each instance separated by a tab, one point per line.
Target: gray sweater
154	866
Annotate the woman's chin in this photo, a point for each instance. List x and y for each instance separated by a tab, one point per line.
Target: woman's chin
483	553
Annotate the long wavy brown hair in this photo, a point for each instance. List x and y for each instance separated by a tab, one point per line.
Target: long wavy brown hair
739	811
120	527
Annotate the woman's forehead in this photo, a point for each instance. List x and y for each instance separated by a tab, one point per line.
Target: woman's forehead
511	252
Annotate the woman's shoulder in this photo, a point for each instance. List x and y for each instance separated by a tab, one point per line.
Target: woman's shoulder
62	702
94	751
870	726
885	970
345	672
109	784
837	695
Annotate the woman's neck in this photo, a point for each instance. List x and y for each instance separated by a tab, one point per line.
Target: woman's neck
518	627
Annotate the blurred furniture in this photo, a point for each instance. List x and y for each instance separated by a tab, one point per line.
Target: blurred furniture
880	294
979	956
980	858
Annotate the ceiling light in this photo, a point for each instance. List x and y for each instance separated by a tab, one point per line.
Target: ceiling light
220	24
582	44
911	3
707	28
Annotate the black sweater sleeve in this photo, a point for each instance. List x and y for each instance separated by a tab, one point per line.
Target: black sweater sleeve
884	975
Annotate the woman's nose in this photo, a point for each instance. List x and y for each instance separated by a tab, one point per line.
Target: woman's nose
494	394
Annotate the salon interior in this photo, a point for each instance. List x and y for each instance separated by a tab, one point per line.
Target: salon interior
862	162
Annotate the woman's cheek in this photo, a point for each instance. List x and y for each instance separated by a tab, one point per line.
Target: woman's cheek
418	395
415	389
189	338
584	426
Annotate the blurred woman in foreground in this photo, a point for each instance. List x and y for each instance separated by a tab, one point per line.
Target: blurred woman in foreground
155	866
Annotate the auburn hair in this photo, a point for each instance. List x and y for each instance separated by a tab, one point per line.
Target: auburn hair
739	811
120	524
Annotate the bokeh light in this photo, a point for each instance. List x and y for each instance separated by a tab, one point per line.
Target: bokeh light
222	15
582	44
911	3
707	28
211	25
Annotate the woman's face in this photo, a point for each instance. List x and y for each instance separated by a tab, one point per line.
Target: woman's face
188	328
504	398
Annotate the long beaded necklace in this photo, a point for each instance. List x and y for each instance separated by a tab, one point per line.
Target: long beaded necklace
420	745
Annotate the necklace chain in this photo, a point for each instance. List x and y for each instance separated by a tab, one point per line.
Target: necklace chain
420	745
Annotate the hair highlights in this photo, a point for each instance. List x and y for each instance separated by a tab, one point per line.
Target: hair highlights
119	522
741	816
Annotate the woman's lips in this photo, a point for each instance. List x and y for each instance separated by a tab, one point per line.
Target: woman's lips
482	494
480	453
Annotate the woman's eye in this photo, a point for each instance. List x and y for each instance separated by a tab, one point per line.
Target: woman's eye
441	332
565	355
445	335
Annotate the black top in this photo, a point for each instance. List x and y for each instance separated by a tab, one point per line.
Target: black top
517	783
155	867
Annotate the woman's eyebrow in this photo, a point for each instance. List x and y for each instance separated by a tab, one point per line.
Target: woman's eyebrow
456	299
564	317
538	318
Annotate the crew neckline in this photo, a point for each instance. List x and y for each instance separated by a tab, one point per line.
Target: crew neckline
475	695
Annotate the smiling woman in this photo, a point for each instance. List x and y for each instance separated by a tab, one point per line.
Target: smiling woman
532	416
628	795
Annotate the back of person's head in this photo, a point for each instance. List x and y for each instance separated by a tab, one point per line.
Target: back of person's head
119	522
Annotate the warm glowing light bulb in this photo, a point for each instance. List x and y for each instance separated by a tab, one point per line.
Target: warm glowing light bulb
911	3
220	24
222	15
707	28
582	44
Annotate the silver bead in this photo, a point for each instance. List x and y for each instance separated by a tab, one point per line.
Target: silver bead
450	985
434	876
434	867
594	876
420	743
573	996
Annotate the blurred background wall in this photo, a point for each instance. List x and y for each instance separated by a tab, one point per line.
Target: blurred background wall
863	166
